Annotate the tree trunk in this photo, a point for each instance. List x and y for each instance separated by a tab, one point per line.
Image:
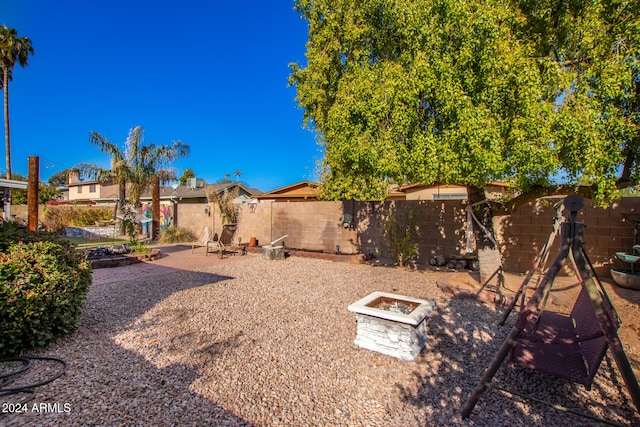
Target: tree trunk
7	191
489	256
5	76
155	208
121	200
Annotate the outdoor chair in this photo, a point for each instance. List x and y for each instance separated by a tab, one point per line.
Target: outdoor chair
227	242
207	239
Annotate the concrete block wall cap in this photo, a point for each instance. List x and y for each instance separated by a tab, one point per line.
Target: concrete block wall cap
414	318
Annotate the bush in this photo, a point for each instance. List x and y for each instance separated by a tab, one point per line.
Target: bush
400	237
58	217
176	235
42	290
13	232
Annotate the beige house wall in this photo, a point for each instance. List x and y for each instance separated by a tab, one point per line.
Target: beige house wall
102	191
434	192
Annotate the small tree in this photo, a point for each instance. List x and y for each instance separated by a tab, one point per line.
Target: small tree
226	205
137	164
188	173
400	234
132	225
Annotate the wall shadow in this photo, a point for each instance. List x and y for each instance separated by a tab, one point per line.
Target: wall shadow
476	343
441	227
108	384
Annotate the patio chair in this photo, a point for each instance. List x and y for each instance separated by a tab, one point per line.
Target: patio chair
226	242
207	239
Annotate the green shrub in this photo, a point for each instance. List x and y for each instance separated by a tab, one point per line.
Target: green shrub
58	217
139	248
42	290
12	232
400	237
176	235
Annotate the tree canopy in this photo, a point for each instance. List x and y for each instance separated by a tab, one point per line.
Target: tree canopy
61	178
135	165
45	192
188	173
544	95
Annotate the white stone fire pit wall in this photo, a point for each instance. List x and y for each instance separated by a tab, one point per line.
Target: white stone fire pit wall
394	334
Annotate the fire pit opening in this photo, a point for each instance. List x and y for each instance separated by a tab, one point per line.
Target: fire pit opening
393	304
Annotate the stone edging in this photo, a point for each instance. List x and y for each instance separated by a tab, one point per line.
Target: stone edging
119	261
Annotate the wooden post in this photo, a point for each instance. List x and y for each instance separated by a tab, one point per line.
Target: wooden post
32	192
155	208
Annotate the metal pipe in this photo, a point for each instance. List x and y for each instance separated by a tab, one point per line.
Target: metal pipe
281	238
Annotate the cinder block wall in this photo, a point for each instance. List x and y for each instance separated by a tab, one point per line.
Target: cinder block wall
314	226
523	234
318	226
442	226
193	217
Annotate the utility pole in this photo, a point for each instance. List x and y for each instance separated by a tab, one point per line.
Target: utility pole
33	185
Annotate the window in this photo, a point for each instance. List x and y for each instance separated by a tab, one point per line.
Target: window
79	189
450	196
92	188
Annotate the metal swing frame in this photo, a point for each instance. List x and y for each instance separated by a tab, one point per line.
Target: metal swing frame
530	319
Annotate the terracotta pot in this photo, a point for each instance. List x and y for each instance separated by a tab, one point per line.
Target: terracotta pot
253	242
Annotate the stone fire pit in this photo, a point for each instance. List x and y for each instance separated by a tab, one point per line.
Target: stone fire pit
392	324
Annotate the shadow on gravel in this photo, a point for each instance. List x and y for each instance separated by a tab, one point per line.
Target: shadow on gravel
465	355
105	383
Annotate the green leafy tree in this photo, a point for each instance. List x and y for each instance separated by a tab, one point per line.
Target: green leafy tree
226	180
135	166
188	173
45	192
542	95
62	177
13	49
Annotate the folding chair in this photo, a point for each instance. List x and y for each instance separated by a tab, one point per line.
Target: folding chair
206	240
227	241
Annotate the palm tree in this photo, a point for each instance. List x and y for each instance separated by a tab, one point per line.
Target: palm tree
12	49
137	165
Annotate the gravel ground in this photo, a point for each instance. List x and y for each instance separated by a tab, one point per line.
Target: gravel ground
269	343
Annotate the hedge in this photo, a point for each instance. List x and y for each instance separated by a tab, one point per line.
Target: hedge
43	286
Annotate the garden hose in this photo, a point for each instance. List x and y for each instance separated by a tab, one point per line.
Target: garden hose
8	378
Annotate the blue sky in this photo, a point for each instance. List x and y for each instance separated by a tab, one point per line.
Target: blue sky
212	74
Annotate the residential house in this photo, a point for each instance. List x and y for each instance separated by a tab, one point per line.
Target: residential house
439	191
303	191
7	185
306	191
91	192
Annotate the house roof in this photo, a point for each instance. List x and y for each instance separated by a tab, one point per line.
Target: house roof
79	183
12	183
412	187
186	192
300	190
